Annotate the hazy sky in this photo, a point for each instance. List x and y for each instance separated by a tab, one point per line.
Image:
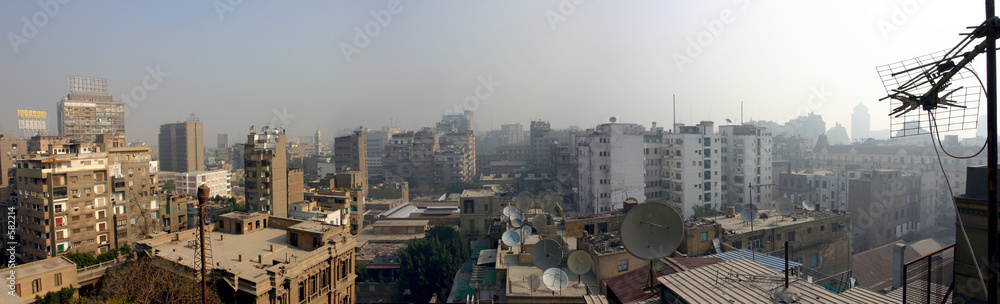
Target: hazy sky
241	63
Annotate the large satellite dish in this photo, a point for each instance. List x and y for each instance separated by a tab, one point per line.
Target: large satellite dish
749	213
652	230
555	279
539	221
517	223
579	262
546	254
509	210
524	201
511	238
808	205
785	206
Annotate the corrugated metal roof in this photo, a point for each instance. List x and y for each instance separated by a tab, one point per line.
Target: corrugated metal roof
627	287
774	262
873	268
747	281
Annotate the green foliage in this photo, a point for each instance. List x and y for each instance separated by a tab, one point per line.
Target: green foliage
126	249
242	207
107	256
705	211
361	269
169	185
64	295
82	259
144	281
428	265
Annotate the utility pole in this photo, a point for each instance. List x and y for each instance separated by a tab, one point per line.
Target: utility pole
203	192
991	154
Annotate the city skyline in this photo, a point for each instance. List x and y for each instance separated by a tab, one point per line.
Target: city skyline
305	65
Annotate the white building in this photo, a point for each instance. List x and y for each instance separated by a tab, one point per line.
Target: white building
611	167
219	182
746	158
692	167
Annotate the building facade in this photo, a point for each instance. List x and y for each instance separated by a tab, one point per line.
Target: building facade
218	181
266	173
134	193
64	204
89	110
182	146
611	166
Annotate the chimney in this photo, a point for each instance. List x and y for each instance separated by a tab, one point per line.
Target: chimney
260	258
241	258
222	237
272	247
897	265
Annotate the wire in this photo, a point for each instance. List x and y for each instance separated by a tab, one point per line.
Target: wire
958	216
934	126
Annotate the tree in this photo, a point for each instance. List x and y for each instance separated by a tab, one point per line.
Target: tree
64	295
427	266
81	259
169	185
361	269
144	281
126	249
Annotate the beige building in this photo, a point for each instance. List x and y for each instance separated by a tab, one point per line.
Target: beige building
266	173
480	215
266	259
64	203
134	193
182	146
38	278
819	240
90	110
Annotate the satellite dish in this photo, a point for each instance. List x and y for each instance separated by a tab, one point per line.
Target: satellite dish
549	203
808	206
546	254
526	230
785	206
534	282
652	230
612	119
540	221
517	223
555	279
511	238
749	213
579	262
524	201
509	210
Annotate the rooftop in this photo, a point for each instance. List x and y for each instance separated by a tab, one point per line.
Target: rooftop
478	193
605	243
316	227
368	236
746	281
380	253
43	266
736	225
628	286
226	251
237	215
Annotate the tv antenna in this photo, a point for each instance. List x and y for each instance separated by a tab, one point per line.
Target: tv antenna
651	231
546	254
579	262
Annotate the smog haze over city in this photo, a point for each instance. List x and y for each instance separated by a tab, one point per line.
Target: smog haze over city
340	65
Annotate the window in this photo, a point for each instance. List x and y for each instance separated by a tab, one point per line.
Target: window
791	236
809	230
704	236
58	279
36	284
822	227
470	206
813	260
622	265
834	227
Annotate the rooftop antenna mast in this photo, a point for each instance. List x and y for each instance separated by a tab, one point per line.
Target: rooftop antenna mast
934	83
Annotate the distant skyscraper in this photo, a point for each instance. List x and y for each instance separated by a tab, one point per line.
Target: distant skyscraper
838	135
860	123
319	142
223	141
89	110
182	147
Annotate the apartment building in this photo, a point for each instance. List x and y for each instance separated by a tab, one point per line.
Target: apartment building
219	181
266	173
90	110
134	193
64	203
611	167
182	146
692	167
746	161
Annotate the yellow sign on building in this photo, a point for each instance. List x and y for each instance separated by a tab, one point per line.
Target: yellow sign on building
31	114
